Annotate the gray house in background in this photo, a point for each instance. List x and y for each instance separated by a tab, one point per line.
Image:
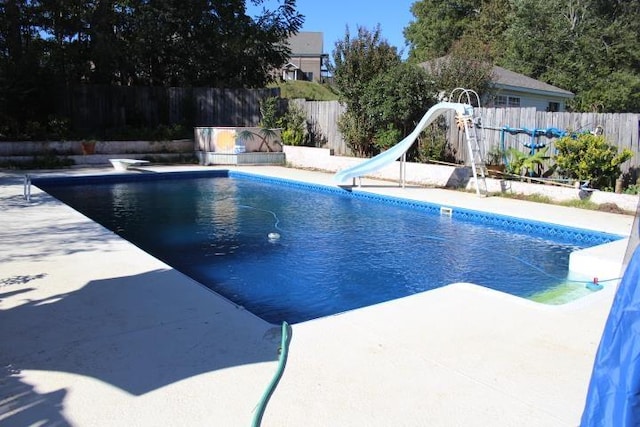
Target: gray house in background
517	90
307	61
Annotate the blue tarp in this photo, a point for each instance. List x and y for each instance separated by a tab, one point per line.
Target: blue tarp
613	398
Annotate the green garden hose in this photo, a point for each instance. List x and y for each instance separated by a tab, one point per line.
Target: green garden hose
282	360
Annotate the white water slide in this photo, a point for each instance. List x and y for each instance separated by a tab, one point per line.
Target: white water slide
394	153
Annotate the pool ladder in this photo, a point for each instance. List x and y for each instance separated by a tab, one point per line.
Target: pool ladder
26	191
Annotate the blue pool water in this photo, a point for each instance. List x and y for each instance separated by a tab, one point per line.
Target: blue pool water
336	250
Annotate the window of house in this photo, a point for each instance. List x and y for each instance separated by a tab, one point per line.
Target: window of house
308	75
553	107
286	75
507	101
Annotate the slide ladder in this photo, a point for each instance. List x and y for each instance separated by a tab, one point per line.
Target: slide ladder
472	126
476	154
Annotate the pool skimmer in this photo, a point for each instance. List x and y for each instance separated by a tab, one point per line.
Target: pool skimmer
446	211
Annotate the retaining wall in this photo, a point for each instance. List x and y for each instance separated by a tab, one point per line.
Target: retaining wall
450	176
25	151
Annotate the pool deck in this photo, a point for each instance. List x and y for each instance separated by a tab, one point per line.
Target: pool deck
95	332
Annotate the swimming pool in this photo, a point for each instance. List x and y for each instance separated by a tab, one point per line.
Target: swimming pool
335	250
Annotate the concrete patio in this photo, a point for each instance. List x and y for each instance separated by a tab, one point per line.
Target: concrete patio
95	332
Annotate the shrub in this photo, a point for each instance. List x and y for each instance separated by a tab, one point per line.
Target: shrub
269	112
495	156
293	125
590	158
432	144
632	189
387	138
58	127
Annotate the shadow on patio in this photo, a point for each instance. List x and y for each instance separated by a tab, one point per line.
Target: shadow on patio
138	333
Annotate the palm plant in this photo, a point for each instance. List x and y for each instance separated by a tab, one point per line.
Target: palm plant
523	164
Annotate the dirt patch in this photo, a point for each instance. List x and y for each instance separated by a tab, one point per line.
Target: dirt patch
612	208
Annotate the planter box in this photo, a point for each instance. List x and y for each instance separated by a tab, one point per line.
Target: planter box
207	158
235	140
449	176
416	173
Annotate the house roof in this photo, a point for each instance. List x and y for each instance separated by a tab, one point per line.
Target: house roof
512	80
507	79
290	65
306	43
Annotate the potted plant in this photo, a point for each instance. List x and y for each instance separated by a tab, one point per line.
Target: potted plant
495	162
527	164
88	146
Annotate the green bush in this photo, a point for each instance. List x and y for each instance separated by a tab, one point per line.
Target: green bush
58	127
35	130
387	138
632	189
269	112
293	125
432	144
590	158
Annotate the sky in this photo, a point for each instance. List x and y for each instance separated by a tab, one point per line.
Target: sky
331	17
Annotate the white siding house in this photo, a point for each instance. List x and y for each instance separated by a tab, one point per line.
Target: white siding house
513	89
517	90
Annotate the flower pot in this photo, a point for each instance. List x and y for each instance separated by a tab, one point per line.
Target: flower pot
88	147
496	171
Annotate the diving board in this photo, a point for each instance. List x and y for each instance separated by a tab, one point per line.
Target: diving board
125	164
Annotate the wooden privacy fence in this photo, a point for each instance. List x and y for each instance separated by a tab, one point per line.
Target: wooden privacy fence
95	107
322	121
620	129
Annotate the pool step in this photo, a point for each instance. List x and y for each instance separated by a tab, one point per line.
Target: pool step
603	261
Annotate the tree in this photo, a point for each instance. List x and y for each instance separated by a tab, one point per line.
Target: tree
107	48
484	36
397	100
438	24
47	44
64	24
587	46
357	61
454	71
611	75
160	42
24	79
207	43
461	55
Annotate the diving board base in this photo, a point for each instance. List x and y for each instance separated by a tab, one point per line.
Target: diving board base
125	164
